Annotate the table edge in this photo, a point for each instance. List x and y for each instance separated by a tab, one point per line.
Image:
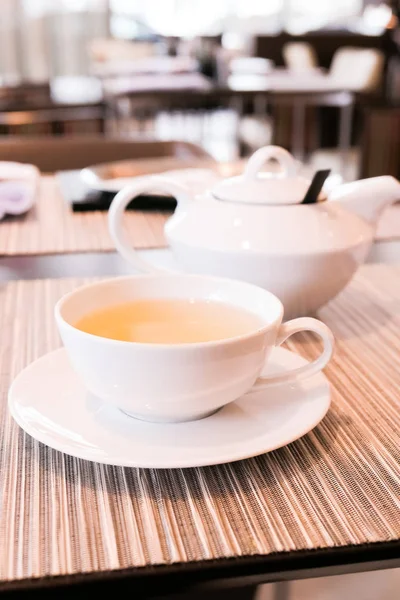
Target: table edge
215	573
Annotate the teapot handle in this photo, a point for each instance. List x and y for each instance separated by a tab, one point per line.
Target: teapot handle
115	217
286	162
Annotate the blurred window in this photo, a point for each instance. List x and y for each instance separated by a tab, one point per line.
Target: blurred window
51	37
191	17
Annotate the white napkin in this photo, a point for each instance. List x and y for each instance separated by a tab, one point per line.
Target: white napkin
18	187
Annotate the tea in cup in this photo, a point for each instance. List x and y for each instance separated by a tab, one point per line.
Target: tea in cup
177	348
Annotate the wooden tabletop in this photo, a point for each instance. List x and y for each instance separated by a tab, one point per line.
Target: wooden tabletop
330	499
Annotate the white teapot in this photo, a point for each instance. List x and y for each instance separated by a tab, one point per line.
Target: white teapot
253	227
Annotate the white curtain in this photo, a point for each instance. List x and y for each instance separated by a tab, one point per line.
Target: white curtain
43	38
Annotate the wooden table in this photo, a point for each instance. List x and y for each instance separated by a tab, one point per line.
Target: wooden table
364	319
298	91
326	504
283	89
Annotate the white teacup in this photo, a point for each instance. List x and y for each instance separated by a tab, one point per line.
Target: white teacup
180	382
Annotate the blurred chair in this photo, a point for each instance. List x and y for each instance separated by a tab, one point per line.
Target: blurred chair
297	129
360	71
53	154
23	92
300	56
357	69
62	105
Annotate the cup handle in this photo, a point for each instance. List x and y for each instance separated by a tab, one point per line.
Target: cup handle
285	331
118	206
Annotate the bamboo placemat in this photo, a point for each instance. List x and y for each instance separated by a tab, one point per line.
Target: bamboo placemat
339	485
52	228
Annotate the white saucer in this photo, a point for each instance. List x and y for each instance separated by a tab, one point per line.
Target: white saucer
49	402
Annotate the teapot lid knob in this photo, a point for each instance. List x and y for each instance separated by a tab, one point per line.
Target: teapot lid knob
285	160
274	188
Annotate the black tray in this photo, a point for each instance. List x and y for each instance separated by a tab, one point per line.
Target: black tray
82	198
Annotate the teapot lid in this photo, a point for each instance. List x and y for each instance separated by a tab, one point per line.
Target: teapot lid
278	188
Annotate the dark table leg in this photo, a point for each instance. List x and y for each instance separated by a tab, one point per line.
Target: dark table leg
281	590
346	116
242	593
298	132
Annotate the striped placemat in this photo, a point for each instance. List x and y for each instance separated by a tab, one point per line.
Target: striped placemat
338	485
52	228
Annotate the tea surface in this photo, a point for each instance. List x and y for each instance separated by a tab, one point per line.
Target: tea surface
169	321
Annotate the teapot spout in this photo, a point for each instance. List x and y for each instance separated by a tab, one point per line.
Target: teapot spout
368	197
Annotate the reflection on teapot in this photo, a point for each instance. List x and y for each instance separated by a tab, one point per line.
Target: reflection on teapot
253	227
